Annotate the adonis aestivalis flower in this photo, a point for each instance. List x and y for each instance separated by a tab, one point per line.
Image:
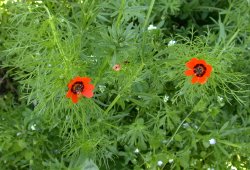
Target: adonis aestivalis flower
78	87
117	67
199	69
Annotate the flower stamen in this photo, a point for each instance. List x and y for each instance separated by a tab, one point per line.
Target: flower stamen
199	70
77	88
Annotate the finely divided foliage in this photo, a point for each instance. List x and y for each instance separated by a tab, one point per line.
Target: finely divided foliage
126	84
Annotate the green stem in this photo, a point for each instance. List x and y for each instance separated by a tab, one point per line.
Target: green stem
54	32
148	14
103	66
118	22
112	104
229	42
124	88
171	139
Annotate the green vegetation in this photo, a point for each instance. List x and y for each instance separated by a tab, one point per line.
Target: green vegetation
145	112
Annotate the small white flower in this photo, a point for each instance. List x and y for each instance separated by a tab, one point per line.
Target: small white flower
219	99
18	133
166	98
171	42
151	27
35	102
196	127
185	125
93	58
33	127
212	141
67	118
159	163
102	88
136	150
170	161
210	168
233	168
164	141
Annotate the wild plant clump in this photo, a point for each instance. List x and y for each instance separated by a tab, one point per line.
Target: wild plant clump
124	84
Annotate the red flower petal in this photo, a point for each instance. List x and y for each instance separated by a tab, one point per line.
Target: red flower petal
202	62
209	70
189	72
69	94
202	80
89	87
87	93
76	79
192	63
74	98
85	80
194	79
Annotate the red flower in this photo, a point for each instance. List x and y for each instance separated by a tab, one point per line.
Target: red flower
199	69
78	87
117	67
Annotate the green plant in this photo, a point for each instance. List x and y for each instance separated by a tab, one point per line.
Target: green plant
144	115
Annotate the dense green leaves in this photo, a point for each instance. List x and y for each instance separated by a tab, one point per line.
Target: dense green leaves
148	114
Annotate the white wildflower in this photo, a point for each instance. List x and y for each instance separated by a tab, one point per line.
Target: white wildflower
136	150
35	102
164	141
166	98
196	127
102	88
171	42
151	27
210	168
219	99
170	161
212	141
39	2
33	127
185	125
18	133
159	163
67	118
233	168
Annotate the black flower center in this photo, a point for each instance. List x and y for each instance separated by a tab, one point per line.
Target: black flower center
199	70
77	88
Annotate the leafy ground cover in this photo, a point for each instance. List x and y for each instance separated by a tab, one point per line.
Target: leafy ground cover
124	84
